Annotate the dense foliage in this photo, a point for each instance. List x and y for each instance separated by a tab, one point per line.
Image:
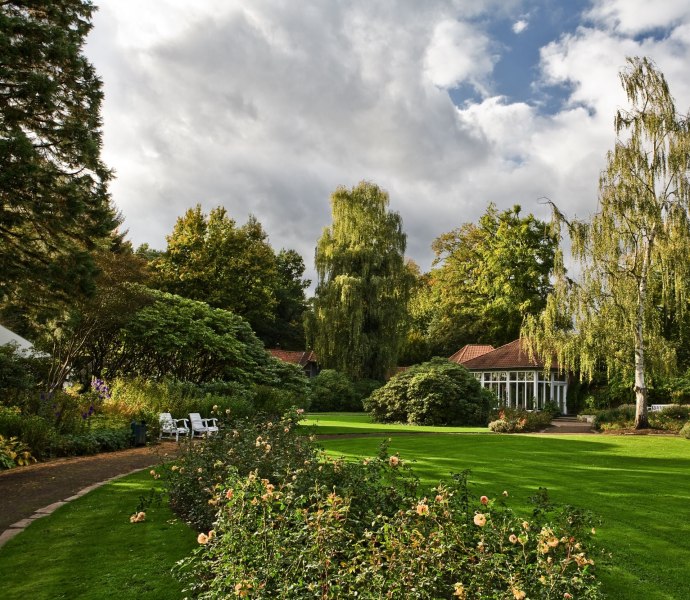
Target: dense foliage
190	341
486	278
333	391
362	289
212	259
280	521
54	203
671	418
437	392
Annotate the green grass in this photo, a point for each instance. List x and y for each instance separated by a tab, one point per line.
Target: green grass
342	422
88	549
638	485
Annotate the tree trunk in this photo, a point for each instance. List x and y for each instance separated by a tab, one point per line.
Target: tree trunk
641	421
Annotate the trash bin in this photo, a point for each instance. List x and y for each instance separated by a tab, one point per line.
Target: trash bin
138	433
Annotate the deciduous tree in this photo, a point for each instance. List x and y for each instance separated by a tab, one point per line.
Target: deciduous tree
488	277
362	287
210	258
634	252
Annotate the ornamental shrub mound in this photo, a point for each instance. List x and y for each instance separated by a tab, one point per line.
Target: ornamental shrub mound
437	392
685	431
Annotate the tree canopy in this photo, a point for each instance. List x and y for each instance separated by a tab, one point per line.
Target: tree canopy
487	277
190	341
54	203
212	259
362	286
634	253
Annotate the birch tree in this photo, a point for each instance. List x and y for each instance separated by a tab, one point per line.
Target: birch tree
362	285
633	253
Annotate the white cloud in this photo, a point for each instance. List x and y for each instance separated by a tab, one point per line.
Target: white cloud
265	107
520	26
458	53
633	17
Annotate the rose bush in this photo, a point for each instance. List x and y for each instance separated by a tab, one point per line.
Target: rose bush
283	540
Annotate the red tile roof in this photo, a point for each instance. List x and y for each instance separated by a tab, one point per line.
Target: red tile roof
296	357
511	356
470	351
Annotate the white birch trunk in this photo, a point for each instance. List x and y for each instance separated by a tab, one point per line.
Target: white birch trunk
641	421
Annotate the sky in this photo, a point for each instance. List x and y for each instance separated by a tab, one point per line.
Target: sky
267	106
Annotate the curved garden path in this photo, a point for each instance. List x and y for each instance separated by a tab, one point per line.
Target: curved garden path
28	492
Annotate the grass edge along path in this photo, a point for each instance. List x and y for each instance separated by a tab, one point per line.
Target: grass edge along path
637	485
88	549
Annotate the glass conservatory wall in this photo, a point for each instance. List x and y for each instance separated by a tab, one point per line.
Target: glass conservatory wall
528	390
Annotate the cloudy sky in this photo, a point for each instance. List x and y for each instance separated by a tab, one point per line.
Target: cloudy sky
266	106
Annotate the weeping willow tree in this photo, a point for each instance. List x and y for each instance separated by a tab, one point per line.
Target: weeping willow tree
634	253
362	287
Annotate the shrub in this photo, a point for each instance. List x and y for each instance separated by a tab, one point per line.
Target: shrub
685	430
13	453
615	418
33	430
332	390
511	420
670	418
268	448
272	540
437	392
139	399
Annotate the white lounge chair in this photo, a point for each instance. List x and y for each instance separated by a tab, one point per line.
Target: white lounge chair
201	426
171	427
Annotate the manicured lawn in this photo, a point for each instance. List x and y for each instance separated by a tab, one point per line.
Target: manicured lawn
342	422
88	549
638	485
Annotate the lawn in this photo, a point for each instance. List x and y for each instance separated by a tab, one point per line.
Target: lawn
88	549
342	422
638	485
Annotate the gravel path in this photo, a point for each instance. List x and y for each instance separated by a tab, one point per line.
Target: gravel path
24	490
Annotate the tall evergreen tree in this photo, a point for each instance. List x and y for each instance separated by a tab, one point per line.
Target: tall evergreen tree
54	204
362	286
634	252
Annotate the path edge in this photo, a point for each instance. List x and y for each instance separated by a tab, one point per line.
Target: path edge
16	528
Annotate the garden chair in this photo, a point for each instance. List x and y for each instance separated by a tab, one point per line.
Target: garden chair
171	427
201	426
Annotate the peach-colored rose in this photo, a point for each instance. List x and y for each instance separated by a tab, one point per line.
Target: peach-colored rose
202	538
422	509
479	520
484	500
394	461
